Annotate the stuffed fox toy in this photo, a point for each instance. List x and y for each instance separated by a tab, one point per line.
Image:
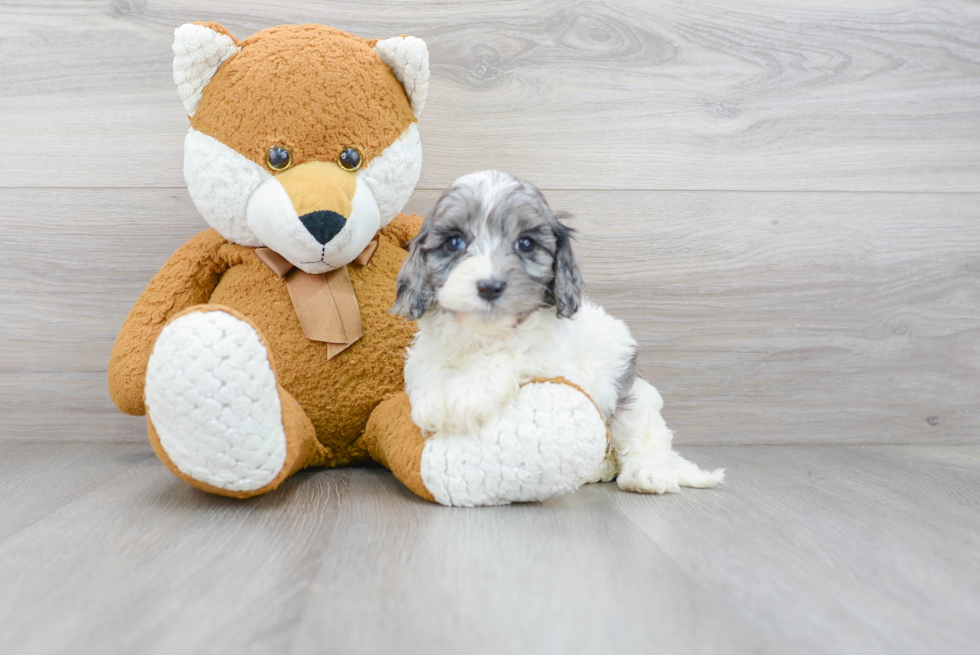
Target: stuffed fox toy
266	345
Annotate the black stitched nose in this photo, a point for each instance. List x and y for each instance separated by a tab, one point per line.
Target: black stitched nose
490	289
323	225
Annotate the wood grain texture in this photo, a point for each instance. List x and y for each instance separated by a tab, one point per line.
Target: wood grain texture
37	479
565	576
836	549
805	549
762	317
755	94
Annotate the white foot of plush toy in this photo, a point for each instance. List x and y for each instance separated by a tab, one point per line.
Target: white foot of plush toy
549	441
212	398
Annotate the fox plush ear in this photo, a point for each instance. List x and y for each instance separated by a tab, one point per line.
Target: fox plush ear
199	48
408	59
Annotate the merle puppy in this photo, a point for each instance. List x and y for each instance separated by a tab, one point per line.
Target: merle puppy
494	283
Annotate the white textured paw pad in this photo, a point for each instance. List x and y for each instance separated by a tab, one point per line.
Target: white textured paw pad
212	397
547	442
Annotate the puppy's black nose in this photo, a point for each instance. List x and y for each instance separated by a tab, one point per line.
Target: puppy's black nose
323	225
490	290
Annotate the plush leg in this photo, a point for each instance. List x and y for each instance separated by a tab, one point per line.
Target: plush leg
396	443
642	445
217	417
548	441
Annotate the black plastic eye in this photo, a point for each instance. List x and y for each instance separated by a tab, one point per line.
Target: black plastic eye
350	159
455	244
524	244
278	158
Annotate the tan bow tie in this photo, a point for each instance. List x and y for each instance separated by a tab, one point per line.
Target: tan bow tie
325	303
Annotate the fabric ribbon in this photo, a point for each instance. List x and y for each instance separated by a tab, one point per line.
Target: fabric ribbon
325	303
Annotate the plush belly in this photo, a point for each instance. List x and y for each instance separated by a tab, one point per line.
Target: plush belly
338	394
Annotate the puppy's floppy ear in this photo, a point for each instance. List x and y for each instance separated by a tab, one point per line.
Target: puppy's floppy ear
567	285
414	293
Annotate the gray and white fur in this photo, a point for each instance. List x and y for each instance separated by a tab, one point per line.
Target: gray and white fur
496	287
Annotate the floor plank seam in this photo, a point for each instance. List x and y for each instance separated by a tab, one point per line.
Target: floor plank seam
752	619
75	498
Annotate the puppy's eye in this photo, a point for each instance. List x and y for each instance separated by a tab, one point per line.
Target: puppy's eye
455	244
350	159
524	244
278	158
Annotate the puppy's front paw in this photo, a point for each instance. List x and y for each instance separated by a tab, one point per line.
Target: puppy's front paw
647	475
459	410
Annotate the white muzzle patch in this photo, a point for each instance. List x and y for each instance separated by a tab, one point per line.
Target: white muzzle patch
273	219
459	293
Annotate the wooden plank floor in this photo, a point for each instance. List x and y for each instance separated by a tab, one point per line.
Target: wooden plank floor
806	549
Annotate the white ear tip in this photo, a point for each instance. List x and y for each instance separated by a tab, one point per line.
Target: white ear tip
198	52
408	59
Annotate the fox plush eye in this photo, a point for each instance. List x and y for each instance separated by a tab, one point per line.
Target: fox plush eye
350	159
278	158
524	244
454	244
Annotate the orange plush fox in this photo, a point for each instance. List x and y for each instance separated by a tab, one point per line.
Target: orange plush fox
265	344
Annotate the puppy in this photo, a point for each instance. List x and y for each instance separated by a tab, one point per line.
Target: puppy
494	283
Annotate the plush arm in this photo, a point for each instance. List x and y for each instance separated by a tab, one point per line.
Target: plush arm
403	227
187	279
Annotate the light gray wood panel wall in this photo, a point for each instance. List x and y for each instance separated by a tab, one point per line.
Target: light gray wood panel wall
762	317
780	198
754	94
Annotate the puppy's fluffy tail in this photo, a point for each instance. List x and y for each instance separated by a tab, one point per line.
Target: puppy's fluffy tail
690	475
